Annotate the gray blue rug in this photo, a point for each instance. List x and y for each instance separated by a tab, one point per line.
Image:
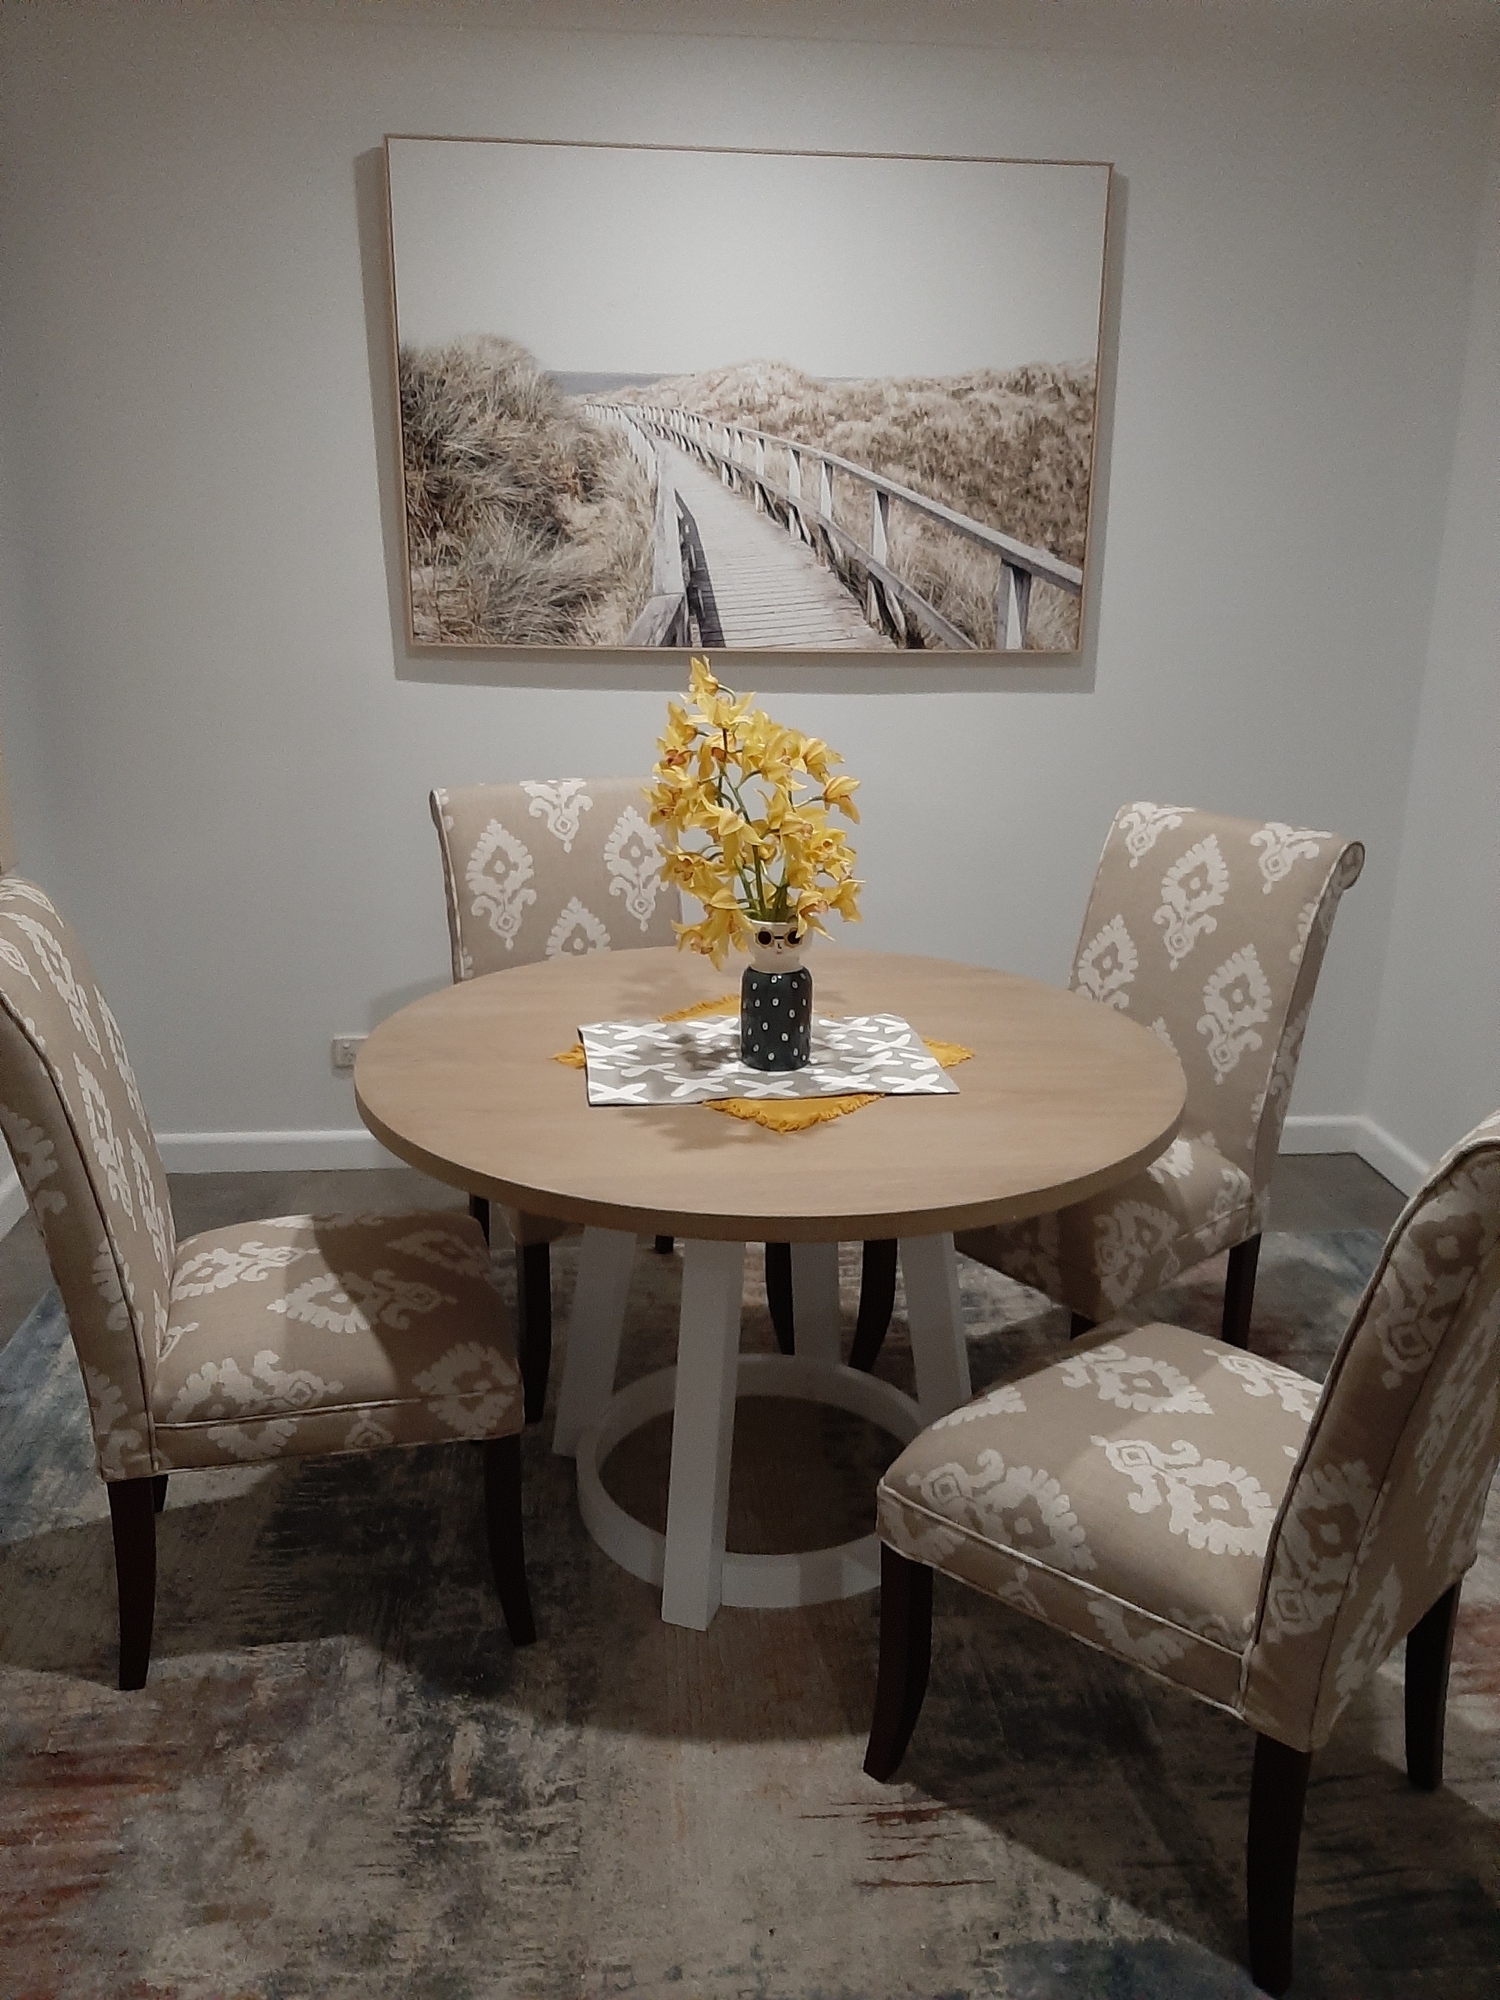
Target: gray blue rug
340	1780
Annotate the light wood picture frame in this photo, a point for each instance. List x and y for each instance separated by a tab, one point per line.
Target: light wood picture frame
655	397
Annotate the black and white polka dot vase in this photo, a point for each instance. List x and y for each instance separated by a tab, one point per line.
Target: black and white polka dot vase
776	1000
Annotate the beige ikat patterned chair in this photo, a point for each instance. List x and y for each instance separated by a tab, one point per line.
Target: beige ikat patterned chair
1211	932
547	869
301	1336
1222	1522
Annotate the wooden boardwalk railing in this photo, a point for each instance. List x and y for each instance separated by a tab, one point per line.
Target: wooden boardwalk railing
664	621
738	452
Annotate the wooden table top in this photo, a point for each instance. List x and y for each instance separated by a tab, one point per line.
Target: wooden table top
1063	1097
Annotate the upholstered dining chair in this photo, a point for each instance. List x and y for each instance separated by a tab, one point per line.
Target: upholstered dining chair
303	1336
536	870
1211	932
1226	1524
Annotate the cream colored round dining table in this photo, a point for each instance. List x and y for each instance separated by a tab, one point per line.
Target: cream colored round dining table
1062	1098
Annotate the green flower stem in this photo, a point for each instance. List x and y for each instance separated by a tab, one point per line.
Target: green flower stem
755	901
763	901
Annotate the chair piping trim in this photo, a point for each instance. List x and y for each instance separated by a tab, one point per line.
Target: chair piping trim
1078	1583
340	1409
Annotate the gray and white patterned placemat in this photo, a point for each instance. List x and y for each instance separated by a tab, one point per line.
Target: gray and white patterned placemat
688	1062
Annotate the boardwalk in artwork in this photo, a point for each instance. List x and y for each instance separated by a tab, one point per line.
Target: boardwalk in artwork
770	589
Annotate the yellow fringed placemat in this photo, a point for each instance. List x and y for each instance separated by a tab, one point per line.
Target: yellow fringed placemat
785	1114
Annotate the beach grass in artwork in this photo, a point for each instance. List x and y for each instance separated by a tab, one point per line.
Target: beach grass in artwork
591	458
527	523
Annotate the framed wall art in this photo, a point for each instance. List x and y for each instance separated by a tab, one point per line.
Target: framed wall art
657	396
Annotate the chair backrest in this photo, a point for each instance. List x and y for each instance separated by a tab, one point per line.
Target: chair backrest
78	1132
1384	1508
538	870
1211	931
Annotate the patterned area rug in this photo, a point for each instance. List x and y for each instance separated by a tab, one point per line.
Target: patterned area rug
340	1780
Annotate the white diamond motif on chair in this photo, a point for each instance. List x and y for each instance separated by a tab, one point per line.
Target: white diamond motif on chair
108	1150
357	1303
1284	847
1184	1480
1107	965
122	1061
562	804
57	968
1144	824
576	933
499	869
1236	1000
36	1160
13	956
1132	1381
1191	888
632	854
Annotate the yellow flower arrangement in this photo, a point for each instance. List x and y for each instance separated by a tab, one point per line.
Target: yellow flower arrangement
745	805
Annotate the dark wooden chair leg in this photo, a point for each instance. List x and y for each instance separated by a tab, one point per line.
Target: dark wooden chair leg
1079	1325
905	1654
877	1301
479	1209
664	1245
1429	1652
1239	1291
502	1521
1278	1791
534	1323
132	1516
158	1492
779	1294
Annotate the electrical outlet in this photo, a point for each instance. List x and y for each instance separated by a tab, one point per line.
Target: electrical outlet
345	1049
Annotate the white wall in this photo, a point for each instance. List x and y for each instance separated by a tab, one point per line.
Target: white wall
192	356
1436	1067
23	734
23	750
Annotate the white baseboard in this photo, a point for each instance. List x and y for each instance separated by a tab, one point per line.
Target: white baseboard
12	1202
271	1152
1374	1145
237	1153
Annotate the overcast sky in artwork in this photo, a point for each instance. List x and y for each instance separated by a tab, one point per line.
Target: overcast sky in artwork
613	259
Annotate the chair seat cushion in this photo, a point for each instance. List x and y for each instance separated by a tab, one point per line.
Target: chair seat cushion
1124	1494
1101	1253
313	1334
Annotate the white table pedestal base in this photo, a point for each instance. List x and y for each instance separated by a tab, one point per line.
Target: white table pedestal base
690	1563
766	1583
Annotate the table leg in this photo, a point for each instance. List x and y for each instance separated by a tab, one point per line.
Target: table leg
930	1271
815	1300
606	1258
708	1344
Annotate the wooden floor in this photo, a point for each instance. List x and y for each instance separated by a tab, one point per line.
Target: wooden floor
770	589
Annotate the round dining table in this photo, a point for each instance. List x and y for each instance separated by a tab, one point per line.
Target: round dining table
1060	1098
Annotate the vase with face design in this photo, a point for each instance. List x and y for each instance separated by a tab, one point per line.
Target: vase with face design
776	999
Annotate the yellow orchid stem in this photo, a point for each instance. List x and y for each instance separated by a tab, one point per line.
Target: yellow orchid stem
744	811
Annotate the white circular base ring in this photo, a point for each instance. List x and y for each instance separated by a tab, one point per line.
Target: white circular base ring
761	1583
